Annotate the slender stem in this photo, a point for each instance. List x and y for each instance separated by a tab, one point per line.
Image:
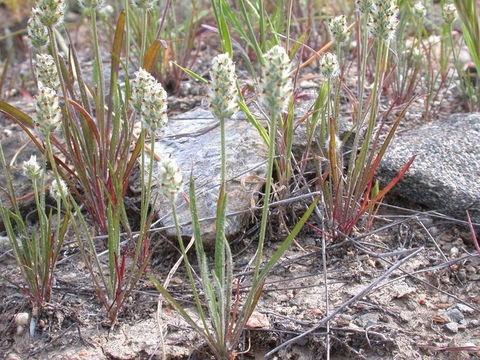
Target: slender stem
144	34
266	201
100	99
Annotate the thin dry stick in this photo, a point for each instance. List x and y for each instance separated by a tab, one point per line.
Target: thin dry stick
346	304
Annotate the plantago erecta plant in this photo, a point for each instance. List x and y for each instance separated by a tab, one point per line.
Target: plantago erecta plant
349	193
223	319
36	248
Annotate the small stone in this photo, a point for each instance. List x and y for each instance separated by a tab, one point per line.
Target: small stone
21	319
455	315
367	320
452	326
454	252
465	308
13	356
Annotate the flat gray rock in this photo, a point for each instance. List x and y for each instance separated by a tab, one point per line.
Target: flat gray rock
445	175
193	140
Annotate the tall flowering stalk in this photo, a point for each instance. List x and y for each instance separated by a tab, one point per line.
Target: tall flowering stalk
276	89
223	102
149	99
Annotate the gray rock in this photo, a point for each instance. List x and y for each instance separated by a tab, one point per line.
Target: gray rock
455	315
193	140
445	174
465	308
452	326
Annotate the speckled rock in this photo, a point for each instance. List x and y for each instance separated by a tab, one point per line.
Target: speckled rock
193	140
445	175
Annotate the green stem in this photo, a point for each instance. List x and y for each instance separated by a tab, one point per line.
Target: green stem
100	99
266	201
144	34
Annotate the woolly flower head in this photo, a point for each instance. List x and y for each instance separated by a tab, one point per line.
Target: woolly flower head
50	12
37	32
144	4
170	178
91	4
329	66
149	99
58	189
31	167
223	90
338	28
449	13
47	110
419	10
384	19
276	84
47	71
364	6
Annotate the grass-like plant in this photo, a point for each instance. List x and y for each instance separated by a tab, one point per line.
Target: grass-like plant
349	189
468	13
170	28
36	248
97	147
225	314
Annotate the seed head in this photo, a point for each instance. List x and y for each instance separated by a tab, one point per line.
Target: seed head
47	71
449	13
419	10
47	110
37	32
31	168
365	6
384	19
329	66
150	100
144	4
338	28
58	188
223	90
51	12
170	178
276	84
91	4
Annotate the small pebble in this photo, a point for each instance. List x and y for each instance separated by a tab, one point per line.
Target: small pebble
454	252
465	308
455	315
452	326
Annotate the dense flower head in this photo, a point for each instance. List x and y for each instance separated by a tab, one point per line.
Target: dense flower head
58	188
276	84
47	110
384	19
31	167
329	66
338	28
419	10
47	71
223	89
364	6
37	32
144	4
50	12
449	13
170	178
91	4
149	99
